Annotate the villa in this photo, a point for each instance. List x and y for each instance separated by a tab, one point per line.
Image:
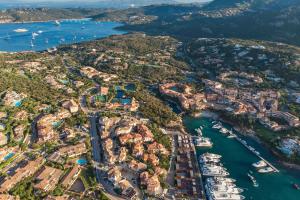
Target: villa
13	99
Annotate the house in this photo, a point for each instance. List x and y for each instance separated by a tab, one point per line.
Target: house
127	189
114	175
137	166
145	132
138	149
151	158
3	139
71	177
8	197
48	179
153	186
123	154
19	132
104	90
71	105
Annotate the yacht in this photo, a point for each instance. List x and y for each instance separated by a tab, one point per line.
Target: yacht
20	30
230	190
221	179
266	170
232	135
224	130
224	196
212	182
259	164
217	126
205	160
203	142
255	184
211	155
34	35
213	170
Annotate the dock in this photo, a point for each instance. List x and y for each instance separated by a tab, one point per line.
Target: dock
259	156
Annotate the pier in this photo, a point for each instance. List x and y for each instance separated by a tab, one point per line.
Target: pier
259	156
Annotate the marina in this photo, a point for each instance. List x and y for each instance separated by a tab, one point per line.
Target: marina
239	161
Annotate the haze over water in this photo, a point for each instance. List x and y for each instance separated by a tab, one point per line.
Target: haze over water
48	34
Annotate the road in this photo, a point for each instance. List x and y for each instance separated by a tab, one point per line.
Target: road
98	159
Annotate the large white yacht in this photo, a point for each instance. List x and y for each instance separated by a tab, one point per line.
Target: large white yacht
221	179
211	155
204	160
225	189
212	170
203	142
266	170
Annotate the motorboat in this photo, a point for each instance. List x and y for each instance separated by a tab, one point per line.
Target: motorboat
203	142
255	184
57	23
21	30
266	170
296	186
259	164
34	35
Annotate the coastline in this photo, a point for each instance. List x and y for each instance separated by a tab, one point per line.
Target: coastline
42	21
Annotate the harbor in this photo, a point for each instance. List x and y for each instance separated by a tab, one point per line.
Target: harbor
240	163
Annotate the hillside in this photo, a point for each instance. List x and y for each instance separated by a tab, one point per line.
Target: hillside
44	14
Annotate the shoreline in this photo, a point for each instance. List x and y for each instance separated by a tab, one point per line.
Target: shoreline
41	21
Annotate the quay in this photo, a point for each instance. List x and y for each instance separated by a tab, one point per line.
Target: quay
259	156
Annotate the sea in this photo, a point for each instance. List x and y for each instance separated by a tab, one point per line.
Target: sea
43	35
238	160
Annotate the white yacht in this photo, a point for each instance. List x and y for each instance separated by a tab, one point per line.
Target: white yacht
221	179
212	182
217	126
232	135
57	23
224	130
225	189
211	155
203	142
21	30
224	196
259	164
266	170
213	170
204	160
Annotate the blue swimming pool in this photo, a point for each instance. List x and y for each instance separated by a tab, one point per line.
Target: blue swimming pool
18	103
8	156
81	161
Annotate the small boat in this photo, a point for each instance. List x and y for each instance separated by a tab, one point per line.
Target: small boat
203	142
217	126
21	30
232	135
57	23
297	187
40	32
255	184
266	170
199	131
34	35
259	164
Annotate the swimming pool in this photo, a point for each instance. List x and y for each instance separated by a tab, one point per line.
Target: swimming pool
8	156
81	161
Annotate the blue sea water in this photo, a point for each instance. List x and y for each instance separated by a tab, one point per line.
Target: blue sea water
44	35
238	160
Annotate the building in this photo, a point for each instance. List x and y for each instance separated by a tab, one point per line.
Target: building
71	177
48	179
25	171
71	105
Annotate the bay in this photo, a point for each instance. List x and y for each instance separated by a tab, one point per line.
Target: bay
44	35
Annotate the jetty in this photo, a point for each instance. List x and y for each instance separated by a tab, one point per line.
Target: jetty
256	153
